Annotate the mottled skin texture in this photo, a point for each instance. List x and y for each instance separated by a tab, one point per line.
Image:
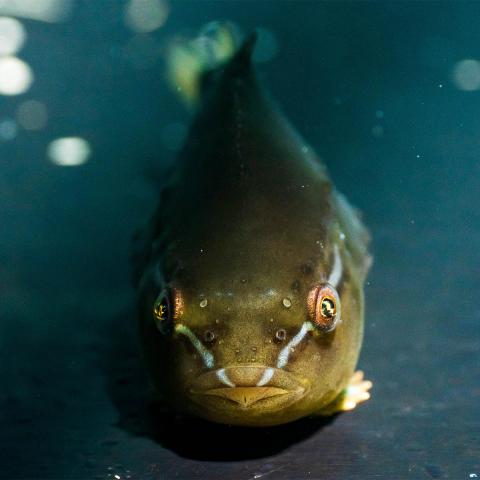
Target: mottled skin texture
250	219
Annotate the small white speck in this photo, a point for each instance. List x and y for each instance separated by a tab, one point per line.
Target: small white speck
287	302
418	156
204	303
412	221
117	477
342	236
473	475
440	86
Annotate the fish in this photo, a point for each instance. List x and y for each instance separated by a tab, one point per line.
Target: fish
250	274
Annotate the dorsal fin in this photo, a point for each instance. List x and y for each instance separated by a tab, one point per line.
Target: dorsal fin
242	58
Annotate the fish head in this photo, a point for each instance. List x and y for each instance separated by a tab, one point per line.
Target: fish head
259	346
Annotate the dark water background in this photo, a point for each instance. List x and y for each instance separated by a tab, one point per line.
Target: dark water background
370	85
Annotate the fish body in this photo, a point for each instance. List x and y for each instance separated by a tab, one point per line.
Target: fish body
250	273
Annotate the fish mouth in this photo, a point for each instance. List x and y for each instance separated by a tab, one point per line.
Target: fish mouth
247	387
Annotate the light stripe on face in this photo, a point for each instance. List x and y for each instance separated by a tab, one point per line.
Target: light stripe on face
337	268
207	357
266	377
222	376
285	351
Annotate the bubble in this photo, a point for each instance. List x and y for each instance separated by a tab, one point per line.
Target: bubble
287	302
8	129
12	36
15	76
69	151
143	16
204	303
32	115
266	47
466	75
173	135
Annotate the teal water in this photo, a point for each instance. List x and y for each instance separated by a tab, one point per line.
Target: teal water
388	93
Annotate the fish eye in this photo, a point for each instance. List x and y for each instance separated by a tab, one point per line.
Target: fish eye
328	307
162	312
324	307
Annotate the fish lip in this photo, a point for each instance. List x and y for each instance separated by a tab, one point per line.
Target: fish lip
283	388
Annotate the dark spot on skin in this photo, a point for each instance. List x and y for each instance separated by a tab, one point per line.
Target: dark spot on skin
281	335
209	336
296	285
306	269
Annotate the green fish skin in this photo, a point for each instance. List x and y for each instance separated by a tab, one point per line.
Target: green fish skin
250	273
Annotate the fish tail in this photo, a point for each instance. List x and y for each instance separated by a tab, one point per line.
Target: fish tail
189	60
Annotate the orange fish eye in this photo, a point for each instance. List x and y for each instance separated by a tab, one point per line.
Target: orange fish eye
162	312
324	307
167	308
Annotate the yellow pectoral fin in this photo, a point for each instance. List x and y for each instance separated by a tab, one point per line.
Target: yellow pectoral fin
356	392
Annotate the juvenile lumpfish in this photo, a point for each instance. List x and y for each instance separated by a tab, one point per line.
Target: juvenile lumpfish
250	273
